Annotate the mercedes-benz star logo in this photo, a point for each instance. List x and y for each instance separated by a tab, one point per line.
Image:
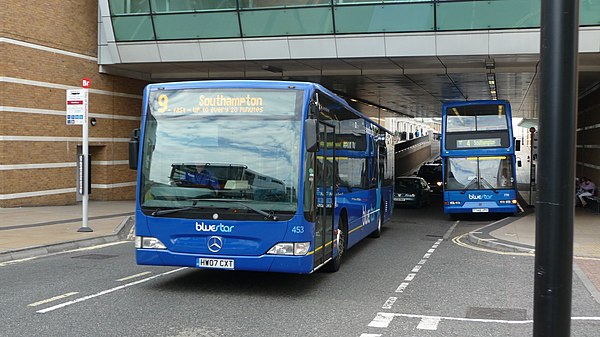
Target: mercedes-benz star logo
215	243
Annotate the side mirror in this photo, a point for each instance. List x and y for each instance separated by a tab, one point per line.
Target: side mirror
134	147
311	141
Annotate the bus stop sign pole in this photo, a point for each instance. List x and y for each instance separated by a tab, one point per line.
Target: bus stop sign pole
85	83
555	206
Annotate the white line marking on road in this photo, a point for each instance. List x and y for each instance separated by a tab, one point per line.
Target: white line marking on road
429	323
585	318
416	269
401	287
388	304
108	291
382	320
370	335
450	230
422	261
410	277
426	256
35	304
134	276
431	251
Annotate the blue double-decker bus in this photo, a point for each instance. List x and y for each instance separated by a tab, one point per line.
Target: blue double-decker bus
267	176
478	157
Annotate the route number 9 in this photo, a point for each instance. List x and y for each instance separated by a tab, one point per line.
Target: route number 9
163	102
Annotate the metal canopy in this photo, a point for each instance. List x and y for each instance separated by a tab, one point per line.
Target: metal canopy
402	86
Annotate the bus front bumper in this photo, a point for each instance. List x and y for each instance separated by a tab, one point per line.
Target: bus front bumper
263	263
480	208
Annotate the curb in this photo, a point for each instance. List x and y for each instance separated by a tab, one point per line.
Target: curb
482	237
499	245
122	232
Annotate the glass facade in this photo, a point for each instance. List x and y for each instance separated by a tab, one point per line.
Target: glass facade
143	20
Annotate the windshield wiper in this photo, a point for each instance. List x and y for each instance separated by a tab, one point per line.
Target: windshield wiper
267	215
159	211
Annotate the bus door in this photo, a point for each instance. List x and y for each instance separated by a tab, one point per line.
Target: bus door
325	190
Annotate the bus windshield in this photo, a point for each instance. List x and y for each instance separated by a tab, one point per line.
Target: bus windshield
245	147
479	173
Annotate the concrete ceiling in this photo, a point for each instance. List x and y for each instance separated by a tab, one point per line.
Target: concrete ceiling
407	86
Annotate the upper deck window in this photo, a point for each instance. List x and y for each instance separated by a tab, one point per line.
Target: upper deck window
476	118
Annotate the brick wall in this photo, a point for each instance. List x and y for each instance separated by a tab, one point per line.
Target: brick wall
50	47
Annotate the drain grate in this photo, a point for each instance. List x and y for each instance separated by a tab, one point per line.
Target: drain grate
497	313
94	256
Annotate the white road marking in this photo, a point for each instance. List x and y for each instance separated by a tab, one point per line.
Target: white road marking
410	277
370	335
416	269
450	230
431	251
388	304
422	261
426	256
52	299
108	291
429	323
401	287
134	276
382	320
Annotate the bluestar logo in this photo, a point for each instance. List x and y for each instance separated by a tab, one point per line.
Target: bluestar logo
202	227
479	197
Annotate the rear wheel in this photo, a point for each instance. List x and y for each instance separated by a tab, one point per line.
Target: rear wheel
377	232
341	237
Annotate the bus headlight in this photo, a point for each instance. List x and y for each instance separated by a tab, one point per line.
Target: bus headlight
148	242
290	248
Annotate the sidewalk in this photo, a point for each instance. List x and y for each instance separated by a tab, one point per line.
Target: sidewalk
32	231
519	235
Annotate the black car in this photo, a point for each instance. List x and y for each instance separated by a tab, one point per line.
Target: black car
411	191
432	173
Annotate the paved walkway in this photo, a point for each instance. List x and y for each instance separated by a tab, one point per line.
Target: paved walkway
32	231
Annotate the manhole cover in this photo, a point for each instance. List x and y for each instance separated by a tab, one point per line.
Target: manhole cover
94	256
497	313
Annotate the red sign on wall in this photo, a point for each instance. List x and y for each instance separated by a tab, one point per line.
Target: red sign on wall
86	83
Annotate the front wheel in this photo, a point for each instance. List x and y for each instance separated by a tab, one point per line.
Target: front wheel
335	263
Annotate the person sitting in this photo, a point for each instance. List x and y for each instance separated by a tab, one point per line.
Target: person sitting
587	188
203	177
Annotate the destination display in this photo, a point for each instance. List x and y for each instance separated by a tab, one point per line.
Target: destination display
198	101
477	143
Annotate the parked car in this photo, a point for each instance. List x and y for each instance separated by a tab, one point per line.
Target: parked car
432	173
411	191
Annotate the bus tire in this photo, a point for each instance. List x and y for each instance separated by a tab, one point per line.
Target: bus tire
342	237
377	232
